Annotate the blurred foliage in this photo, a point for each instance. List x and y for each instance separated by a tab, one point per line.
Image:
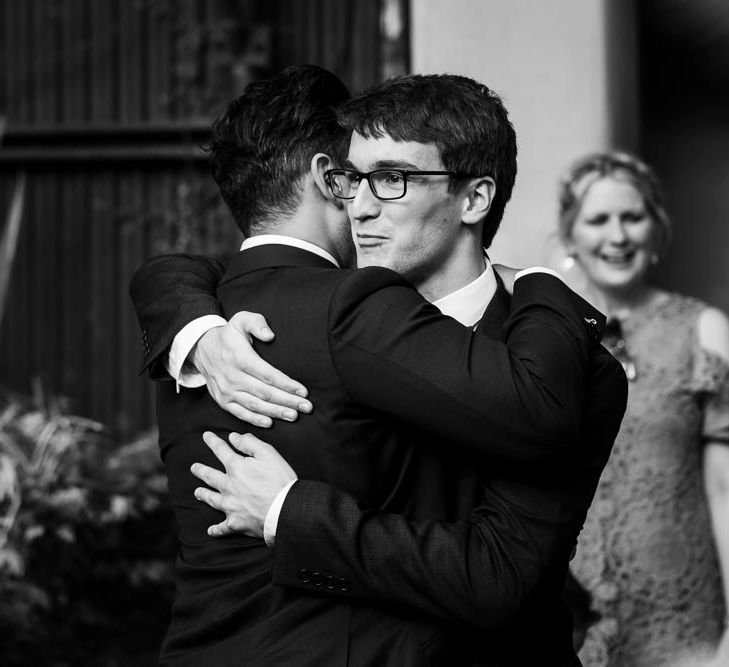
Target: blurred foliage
86	541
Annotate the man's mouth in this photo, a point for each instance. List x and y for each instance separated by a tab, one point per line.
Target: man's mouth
369	240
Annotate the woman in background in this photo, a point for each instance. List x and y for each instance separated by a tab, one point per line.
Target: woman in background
656	540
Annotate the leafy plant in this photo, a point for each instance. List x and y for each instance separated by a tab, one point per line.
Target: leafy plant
86	540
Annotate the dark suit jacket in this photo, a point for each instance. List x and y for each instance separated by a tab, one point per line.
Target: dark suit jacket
456	570
392	381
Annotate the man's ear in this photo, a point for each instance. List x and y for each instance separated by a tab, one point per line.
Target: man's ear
320	163
478	198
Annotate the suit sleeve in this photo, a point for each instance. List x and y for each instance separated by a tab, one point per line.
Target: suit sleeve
478	572
518	400
482	571
487	568
168	292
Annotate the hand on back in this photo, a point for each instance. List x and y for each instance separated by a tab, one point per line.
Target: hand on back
246	489
240	381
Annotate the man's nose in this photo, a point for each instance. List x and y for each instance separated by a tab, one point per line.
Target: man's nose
364	205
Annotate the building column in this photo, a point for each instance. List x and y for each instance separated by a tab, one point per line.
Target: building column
566	70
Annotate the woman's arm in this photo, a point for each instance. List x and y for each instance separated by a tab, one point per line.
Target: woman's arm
713	333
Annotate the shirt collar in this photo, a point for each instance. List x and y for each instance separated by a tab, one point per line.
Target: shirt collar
468	304
269	239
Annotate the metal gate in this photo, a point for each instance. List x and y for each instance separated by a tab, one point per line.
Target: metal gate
107	103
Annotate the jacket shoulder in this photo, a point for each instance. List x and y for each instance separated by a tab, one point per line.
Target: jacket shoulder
373	277
371	298
357	285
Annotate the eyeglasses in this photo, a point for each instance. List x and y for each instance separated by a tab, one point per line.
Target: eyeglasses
614	341
386	184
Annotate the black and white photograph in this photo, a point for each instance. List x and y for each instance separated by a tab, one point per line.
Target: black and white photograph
364	333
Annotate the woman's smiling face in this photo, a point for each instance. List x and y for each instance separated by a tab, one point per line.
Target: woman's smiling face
613	235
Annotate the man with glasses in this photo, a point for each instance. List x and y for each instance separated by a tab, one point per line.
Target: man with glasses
478	536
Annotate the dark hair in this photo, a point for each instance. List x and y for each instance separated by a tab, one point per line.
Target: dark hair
580	176
262	145
465	120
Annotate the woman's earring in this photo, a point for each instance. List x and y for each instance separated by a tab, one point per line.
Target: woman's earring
655	258
568	263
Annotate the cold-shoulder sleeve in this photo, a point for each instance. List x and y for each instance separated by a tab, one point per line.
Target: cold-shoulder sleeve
711	381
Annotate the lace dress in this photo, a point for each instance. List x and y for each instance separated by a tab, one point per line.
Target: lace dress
646	553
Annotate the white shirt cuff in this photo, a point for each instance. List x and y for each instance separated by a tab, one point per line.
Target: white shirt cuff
270	523
181	370
536	269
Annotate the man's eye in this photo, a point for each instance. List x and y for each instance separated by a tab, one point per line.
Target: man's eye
353	178
392	178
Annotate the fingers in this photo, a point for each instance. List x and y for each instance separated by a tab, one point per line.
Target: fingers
246	415
272	403
244	323
253	324
212	498
220	529
236	375
211	476
268	375
250	445
246	443
259	403
215	500
220	448
267	397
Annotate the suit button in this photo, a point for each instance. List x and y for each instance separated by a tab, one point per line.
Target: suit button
304	576
344	584
330	582
317	579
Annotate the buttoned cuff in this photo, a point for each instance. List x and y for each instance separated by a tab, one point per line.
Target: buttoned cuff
536	269
178	366
270	523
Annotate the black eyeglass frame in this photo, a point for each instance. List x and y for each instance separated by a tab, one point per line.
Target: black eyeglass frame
405	173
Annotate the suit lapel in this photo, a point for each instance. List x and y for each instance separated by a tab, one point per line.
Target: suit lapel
496	312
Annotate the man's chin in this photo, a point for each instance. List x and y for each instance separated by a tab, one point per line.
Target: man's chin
376	257
365	259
